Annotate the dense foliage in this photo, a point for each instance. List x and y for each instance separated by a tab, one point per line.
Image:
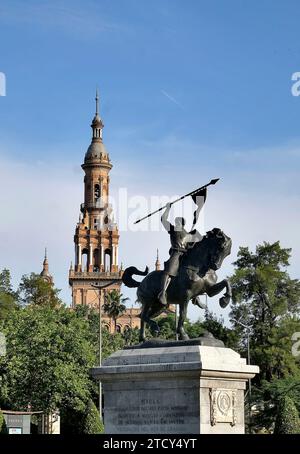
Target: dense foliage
7	296
48	357
91	420
114	305
50	350
266	300
287	421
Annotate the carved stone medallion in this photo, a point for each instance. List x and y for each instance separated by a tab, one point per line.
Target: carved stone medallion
222	406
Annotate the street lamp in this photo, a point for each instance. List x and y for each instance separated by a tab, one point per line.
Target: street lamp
100	287
100	350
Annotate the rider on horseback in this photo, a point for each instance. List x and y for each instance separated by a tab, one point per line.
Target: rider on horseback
181	241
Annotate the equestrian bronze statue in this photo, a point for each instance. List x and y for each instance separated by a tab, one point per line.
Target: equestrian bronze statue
189	272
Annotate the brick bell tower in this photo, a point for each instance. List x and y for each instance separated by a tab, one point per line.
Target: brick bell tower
96	235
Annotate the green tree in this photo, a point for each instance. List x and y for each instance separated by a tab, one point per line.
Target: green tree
91	420
7	305
114	305
267	300
8	297
287	421
131	336
5	282
49	355
3	428
167	327
268	396
34	290
216	326
194	329
110	342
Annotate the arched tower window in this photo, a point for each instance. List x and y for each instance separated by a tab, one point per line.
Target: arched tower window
107	260
118	329
96	224
96	260
97	192
97	133
84	259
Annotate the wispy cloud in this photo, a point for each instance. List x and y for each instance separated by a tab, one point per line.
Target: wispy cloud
172	99
84	22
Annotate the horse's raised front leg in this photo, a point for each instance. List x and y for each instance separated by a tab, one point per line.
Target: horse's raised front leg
181	320
215	289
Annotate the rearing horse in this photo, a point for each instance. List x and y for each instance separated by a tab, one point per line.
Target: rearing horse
196	276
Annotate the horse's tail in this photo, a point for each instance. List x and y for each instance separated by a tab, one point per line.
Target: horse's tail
129	272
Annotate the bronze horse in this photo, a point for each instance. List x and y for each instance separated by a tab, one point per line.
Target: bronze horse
196	276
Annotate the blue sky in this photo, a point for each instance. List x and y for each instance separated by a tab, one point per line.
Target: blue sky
189	91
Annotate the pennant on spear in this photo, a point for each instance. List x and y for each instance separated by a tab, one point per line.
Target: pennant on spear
195	196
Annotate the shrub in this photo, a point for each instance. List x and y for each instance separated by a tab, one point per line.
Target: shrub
3	428
92	423
287	420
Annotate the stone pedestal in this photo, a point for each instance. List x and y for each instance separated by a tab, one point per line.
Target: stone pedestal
185	389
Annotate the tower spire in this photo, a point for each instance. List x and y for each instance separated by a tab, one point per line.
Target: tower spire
97	102
45	262
45	272
97	124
